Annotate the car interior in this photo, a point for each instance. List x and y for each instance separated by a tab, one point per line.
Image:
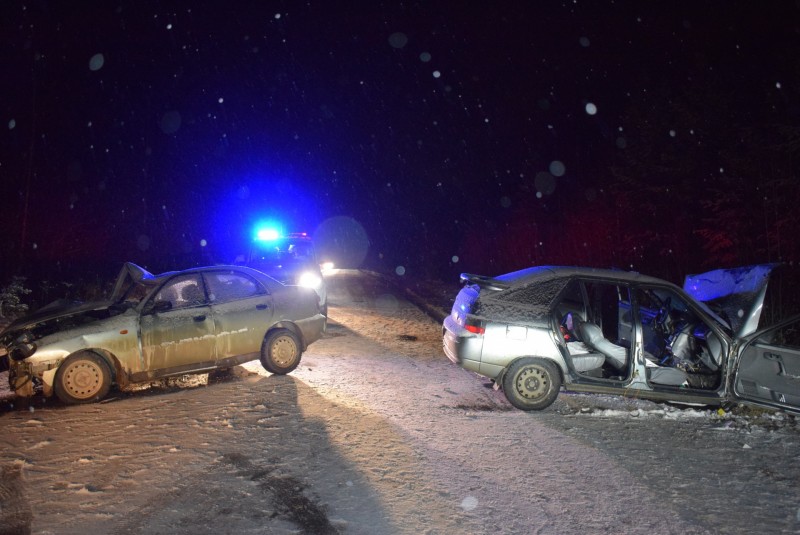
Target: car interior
597	321
599	345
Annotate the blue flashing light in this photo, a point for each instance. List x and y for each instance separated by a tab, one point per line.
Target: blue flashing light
267	234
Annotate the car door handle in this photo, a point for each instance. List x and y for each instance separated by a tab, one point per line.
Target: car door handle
201	317
262	306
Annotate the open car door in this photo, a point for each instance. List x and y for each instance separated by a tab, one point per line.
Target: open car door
767	370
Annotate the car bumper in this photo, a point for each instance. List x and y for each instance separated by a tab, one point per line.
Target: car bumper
312	328
461	346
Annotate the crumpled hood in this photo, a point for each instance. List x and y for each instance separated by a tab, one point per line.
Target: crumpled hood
738	293
64	308
57	309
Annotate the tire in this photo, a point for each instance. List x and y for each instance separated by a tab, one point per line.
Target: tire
531	384
280	352
83	378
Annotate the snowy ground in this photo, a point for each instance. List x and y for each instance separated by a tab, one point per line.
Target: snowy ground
377	433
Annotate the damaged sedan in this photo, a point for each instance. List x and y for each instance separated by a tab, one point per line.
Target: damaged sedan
156	326
613	332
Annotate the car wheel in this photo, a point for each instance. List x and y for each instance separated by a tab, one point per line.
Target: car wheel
83	378
280	352
531	384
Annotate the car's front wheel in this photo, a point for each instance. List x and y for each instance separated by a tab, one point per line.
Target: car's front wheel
280	352
531	384
82	378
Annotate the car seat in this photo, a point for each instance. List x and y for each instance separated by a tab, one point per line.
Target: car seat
593	337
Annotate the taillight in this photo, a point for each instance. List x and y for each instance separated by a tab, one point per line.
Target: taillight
474	326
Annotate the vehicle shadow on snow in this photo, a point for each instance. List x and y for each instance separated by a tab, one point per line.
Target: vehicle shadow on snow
252	452
278	468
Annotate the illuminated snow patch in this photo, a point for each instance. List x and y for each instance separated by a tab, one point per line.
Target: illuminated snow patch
186	340
228	333
666	414
469	503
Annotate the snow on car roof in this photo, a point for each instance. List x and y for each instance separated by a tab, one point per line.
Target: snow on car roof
524	276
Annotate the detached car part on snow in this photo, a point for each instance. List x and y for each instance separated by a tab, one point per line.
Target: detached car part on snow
592	330
155	326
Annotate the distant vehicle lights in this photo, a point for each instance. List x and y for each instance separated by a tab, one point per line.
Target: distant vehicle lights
309	280
273	234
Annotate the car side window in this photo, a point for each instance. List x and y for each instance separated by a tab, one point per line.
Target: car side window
224	286
180	292
788	336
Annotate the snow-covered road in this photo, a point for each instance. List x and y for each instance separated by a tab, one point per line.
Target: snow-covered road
378	433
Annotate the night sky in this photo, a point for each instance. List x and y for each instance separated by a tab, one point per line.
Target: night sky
416	137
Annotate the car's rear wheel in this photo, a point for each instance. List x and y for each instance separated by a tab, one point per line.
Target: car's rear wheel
280	352
531	383
83	378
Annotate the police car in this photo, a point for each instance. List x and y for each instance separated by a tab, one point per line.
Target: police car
289	258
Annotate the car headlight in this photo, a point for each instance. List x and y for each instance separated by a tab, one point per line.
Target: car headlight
309	280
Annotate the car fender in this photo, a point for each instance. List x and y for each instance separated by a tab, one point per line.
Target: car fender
305	329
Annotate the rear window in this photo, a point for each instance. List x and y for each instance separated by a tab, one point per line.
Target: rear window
540	293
